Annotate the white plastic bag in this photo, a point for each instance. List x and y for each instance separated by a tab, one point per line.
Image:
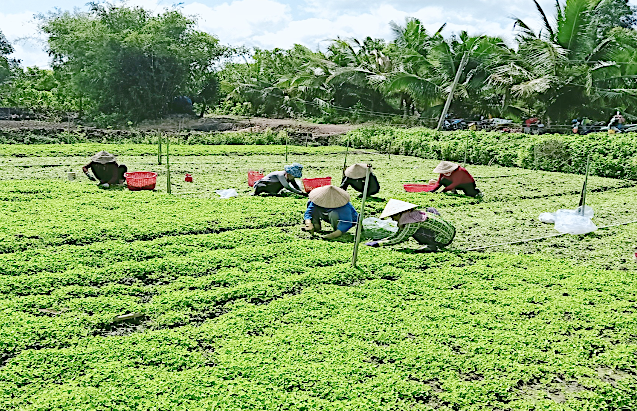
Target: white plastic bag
548	218
228	193
373	223
571	221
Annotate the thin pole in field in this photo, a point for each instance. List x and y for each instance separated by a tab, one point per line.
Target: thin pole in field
159	137
389	151
346	152
582	201
286	147
168	185
359	225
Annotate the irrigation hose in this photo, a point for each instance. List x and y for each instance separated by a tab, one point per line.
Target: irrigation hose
544	238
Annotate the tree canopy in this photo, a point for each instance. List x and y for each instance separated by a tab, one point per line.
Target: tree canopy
128	62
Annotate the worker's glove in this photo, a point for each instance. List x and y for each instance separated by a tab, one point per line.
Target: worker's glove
105	185
90	177
432	211
433	182
373	244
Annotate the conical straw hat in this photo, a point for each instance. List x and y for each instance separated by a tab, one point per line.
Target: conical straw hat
396	206
356	171
329	197
446	167
103	157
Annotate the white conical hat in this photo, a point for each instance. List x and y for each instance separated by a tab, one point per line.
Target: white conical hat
396	206
103	157
329	197
446	167
356	171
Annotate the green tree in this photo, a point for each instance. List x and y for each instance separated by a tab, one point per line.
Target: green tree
126	61
570	69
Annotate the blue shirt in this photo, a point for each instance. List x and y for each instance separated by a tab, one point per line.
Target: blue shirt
347	215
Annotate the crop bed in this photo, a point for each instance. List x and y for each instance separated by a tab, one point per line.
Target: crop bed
230	306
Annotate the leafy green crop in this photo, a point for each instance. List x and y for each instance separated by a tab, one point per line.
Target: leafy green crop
240	310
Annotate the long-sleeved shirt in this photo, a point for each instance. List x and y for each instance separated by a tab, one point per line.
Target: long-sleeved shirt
347	215
443	230
279	177
105	173
458	176
358	184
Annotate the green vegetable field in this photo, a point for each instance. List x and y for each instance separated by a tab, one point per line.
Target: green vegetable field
119	300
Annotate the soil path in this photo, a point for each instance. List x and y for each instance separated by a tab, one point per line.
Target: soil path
215	123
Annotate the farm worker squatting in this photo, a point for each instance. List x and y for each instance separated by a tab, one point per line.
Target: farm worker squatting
330	204
355	177
276	181
427	228
105	169
454	177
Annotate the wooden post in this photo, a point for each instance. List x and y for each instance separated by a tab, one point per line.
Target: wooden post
168	185
359	226
389	151
159	137
463	63
286	147
582	202
346	152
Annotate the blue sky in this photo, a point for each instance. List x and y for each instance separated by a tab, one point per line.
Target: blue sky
281	23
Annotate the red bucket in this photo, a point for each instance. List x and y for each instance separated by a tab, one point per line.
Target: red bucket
141	180
419	188
310	184
253	177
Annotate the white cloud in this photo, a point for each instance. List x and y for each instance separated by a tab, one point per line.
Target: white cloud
282	23
21	30
240	20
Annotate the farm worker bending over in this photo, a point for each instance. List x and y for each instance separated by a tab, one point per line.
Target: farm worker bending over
428	228
454	177
355	177
276	181
105	169
330	204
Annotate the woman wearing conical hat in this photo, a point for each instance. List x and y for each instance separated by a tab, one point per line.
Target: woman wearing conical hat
453	177
330	204
276	181
427	228
105	169
355	177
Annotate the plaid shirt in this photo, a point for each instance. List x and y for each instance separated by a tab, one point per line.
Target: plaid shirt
444	231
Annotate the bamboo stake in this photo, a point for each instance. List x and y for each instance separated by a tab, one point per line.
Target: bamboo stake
346	152
159	137
168	185
359	225
582	202
286	147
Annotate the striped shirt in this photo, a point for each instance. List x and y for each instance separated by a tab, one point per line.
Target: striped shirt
444	231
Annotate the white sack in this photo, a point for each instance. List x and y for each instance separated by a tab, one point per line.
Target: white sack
228	193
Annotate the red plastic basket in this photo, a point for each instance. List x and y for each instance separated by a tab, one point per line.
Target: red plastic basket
253	177
419	188
141	180
310	184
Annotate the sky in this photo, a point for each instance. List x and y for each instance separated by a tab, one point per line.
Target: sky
282	23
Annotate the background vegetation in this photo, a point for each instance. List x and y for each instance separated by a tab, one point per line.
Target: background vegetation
125	63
